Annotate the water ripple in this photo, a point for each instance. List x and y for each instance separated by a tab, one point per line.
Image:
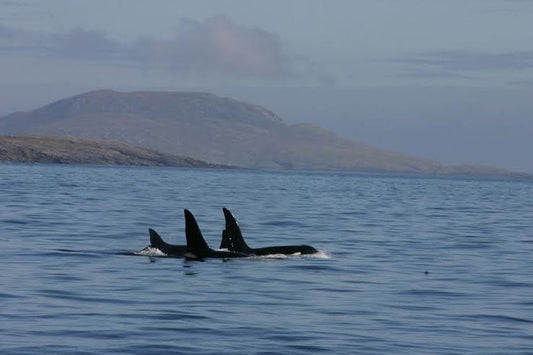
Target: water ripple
409	264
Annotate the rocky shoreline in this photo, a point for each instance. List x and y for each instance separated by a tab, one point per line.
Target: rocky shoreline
70	150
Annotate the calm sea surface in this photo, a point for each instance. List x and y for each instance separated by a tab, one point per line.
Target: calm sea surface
409	265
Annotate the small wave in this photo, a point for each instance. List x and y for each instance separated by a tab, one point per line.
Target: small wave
148	251
431	292
498	317
270	257
319	255
15	221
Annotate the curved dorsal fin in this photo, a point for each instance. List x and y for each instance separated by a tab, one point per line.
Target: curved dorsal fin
192	232
156	241
232	237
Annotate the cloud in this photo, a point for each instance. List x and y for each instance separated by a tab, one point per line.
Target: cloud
524	83
456	63
83	44
219	45
16	41
214	46
434	74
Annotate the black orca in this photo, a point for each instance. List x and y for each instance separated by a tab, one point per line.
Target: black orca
157	242
197	247
233	240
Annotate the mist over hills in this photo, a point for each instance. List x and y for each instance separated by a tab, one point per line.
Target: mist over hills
214	129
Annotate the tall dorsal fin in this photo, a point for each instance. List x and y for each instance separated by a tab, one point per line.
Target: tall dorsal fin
232	237
192	233
225	243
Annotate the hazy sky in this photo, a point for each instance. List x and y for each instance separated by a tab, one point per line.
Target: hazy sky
446	80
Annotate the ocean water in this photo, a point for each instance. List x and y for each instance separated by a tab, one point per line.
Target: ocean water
408	265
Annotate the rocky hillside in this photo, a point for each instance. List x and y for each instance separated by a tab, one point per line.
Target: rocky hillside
207	127
64	150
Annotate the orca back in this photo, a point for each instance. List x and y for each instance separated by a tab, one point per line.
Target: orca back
233	240
156	241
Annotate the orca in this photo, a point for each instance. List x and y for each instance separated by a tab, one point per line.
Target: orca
157	242
197	247
233	240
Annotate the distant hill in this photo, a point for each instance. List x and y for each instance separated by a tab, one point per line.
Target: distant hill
211	128
65	150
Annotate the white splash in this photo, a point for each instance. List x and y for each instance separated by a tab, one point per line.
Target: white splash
320	255
148	251
270	256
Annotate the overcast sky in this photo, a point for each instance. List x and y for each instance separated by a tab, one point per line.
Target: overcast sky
446	80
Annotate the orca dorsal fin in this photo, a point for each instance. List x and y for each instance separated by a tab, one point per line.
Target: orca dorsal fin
227	241
192	232
232	237
156	241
